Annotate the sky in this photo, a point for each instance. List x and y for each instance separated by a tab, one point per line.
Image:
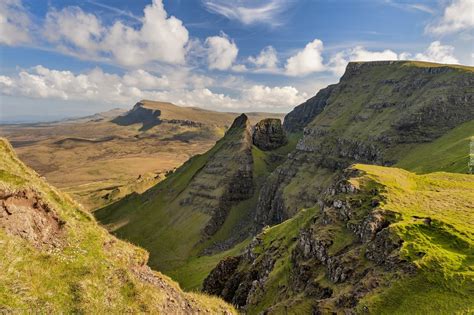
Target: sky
65	58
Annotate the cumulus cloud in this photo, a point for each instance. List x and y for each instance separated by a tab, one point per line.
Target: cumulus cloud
457	16
265	97
267	12
307	60
266	60
221	52
338	62
159	38
99	86
14	23
436	52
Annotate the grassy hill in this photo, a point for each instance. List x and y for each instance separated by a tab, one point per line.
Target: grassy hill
417	116
385	241
209	202
98	161
56	259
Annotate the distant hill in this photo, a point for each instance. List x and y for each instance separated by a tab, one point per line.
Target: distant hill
56	259
103	157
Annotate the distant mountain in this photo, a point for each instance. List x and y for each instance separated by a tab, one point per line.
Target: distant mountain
364	238
103	157
56	259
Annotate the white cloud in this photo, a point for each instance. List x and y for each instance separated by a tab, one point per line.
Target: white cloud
265	97
307	60
14	23
436	52
221	52
74	27
457	16
99	86
159	38
266	60
338	62
266	13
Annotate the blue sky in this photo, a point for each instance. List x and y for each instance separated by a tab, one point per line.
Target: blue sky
64	58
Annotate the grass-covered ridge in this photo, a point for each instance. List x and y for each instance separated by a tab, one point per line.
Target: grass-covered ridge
90	271
404	241
435	220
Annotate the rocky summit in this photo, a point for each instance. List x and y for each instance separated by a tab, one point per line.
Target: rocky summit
268	134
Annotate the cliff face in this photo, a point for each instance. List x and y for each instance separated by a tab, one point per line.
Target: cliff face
304	113
378	112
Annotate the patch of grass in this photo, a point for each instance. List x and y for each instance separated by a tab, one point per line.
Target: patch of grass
442	249
449	153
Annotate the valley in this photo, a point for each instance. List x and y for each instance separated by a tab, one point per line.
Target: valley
102	158
360	201
417	116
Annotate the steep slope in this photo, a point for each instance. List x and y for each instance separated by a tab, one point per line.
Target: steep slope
102	158
377	114
381	241
209	202
56	259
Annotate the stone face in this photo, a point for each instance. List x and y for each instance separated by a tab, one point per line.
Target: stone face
269	134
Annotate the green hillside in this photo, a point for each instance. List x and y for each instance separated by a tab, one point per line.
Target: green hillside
184	205
56	259
416	114
396	243
449	153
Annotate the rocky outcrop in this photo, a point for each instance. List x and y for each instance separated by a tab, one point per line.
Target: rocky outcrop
268	134
225	179
349	226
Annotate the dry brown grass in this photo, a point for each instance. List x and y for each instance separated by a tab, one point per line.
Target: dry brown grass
94	158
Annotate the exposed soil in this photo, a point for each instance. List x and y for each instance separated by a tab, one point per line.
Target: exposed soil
25	214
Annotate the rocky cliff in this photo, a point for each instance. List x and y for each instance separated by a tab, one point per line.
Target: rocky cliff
268	134
362	237
377	113
362	249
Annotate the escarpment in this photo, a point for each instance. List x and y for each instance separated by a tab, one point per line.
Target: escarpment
376	113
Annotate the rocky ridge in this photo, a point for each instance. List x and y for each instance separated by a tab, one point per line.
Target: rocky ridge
376	112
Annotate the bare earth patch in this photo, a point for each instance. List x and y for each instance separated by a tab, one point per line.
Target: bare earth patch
25	214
